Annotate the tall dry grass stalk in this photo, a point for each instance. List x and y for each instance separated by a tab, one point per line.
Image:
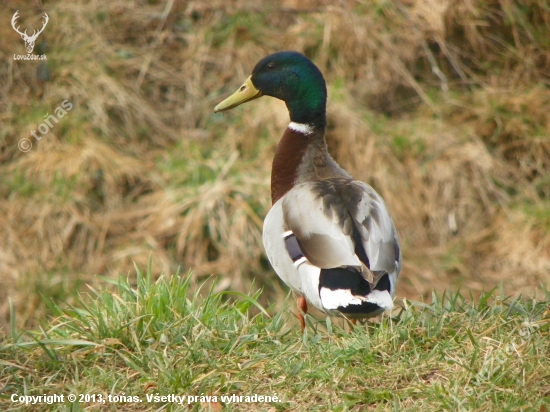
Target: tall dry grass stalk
441	106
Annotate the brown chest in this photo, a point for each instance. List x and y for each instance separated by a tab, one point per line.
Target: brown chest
288	157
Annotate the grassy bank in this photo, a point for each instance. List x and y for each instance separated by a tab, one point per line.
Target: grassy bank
443	108
147	337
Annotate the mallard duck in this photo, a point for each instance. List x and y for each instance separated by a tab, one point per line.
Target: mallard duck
329	237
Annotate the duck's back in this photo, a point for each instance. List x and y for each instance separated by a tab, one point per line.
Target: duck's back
333	241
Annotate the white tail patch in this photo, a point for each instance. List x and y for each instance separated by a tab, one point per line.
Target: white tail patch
380	297
333	299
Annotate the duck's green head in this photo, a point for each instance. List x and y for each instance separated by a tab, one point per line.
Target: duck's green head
291	77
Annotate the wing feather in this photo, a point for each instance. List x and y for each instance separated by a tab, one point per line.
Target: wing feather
343	222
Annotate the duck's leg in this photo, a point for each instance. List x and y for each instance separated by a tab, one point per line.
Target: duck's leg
352	323
302	311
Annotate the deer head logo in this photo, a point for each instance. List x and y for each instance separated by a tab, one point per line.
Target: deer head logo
29	40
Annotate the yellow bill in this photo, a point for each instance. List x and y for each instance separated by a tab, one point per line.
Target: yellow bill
244	94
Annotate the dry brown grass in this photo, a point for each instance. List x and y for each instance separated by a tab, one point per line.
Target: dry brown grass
441	106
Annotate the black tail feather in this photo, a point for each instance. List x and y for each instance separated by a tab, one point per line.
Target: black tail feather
351	279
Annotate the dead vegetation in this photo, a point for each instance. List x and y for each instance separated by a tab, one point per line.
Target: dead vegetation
441	106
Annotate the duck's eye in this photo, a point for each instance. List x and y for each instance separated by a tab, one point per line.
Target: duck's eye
270	65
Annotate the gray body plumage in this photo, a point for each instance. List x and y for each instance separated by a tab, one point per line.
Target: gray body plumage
339	223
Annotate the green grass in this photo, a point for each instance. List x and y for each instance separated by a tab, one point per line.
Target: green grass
146	337
133	169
